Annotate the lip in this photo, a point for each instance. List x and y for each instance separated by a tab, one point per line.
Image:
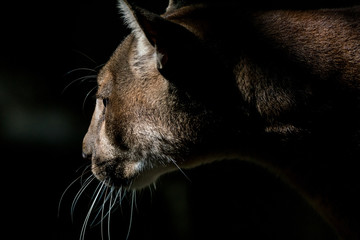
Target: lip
119	182
121	173
111	173
113	180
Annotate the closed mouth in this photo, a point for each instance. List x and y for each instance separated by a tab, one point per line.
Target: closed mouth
111	174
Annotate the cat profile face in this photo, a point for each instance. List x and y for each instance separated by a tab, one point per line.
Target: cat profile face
197	84
154	104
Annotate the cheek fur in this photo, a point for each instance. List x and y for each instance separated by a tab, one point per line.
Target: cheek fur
105	147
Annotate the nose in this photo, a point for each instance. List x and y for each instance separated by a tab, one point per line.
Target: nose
86	148
86	155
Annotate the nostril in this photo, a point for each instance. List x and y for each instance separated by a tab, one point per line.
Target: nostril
86	147
86	155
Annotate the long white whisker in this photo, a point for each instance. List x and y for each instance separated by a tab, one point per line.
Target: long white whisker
183	173
102	214
133	199
115	199
85	55
109	213
87	95
65	191
78	195
96	190
83	229
122	194
86	165
81	69
99	66
100	208
85	171
81	79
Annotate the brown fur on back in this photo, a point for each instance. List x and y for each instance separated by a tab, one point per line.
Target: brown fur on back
203	83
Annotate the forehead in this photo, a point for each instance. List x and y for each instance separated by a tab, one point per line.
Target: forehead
119	61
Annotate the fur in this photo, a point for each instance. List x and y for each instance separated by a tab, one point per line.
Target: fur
203	83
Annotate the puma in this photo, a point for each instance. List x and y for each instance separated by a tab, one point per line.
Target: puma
201	83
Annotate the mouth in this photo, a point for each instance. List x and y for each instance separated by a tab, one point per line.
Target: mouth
130	176
112	174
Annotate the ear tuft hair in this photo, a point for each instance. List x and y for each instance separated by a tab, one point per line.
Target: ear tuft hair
127	12
152	32
175	4
131	15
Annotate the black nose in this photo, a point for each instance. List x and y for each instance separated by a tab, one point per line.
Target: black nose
86	155
86	148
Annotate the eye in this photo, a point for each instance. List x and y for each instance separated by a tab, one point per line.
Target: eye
105	101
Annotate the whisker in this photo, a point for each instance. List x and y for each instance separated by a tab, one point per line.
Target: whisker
108	199
87	95
80	79
102	214
105	200
78	195
99	209
151	190
65	191
83	228
183	173
109	213
85	55
102	207
85	166
122	194
85	171
99	66
96	190
116	197
133	199
81	70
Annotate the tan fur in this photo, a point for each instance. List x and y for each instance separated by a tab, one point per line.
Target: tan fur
279	88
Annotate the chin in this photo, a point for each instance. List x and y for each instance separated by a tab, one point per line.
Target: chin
128	176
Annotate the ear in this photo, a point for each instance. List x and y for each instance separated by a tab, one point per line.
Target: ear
175	4
150	27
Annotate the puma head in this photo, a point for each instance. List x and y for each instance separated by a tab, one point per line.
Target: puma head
158	104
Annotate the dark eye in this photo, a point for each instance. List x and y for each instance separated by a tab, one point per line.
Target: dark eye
105	101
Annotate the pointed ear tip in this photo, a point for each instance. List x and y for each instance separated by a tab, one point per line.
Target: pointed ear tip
175	4
124	3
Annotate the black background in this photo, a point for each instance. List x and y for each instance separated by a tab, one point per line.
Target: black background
46	47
